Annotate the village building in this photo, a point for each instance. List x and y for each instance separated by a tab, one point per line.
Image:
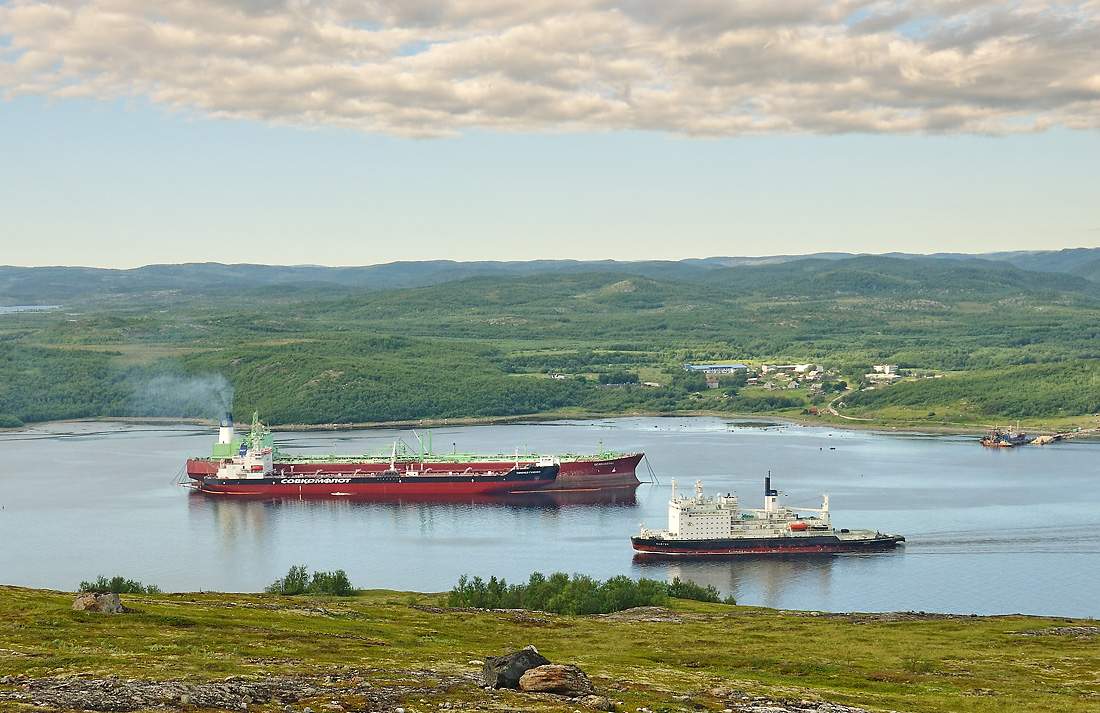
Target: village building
884	372
716	368
788	368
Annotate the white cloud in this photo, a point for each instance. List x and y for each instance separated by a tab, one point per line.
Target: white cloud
693	67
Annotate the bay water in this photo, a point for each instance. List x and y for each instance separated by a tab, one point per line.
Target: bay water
988	531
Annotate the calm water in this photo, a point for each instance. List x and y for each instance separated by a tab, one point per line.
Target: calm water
990	531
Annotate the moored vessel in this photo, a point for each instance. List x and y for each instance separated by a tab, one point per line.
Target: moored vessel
252	472
704	526
602	470
1005	438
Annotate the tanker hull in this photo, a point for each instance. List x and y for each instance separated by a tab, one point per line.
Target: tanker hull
383	484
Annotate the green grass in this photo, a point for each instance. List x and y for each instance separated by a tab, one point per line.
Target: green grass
876	662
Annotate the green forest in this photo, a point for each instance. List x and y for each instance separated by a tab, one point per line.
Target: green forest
975	342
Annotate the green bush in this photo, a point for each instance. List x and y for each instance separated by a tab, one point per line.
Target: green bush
335	584
297	581
118	585
680	589
580	594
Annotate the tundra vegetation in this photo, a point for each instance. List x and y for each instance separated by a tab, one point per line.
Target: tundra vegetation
413	651
979	342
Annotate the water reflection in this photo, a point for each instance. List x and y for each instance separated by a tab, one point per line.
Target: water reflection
763	580
258	518
233	519
622	497
769	577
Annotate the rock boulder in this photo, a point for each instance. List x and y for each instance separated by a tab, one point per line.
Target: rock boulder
106	603
563	679
505	671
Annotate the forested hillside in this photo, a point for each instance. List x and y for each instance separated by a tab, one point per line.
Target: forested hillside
976	340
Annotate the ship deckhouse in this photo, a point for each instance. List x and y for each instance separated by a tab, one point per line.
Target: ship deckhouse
718	526
702	517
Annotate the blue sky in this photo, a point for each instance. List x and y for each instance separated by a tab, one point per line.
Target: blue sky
177	145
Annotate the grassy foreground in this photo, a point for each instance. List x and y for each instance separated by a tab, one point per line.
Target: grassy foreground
664	660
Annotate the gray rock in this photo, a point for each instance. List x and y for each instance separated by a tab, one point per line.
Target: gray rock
505	671
597	703
106	603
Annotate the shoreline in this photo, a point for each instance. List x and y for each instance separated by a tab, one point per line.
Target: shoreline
537	418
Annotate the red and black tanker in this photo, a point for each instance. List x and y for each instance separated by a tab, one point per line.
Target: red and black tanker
402	471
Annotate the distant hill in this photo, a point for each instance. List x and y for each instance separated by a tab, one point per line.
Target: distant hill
1054	261
915	277
49	285
1088	270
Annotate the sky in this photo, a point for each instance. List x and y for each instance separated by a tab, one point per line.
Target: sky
350	132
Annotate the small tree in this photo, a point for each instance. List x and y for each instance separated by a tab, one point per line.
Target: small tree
680	589
118	585
619	377
561	594
295	582
335	584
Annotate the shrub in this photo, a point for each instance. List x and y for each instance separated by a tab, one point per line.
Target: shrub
297	581
619	377
335	584
579	594
118	585
680	589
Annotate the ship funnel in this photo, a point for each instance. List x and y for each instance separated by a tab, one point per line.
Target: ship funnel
771	497
225	433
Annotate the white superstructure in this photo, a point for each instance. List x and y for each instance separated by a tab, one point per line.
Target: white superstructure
701	525
701	517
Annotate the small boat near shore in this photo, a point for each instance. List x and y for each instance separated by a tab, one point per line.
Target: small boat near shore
704	526
1005	438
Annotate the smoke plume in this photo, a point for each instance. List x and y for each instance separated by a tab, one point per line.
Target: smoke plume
170	395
